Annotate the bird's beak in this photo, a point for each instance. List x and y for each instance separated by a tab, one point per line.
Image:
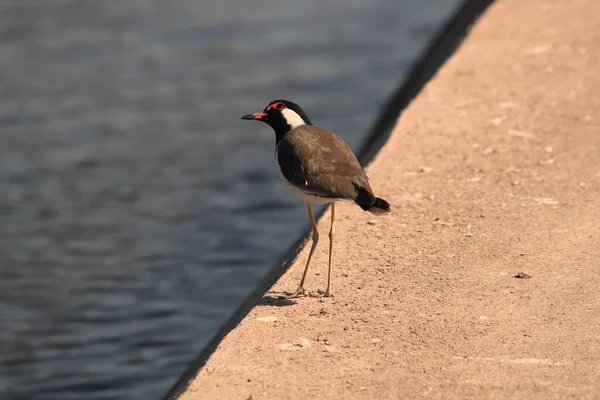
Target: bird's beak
259	116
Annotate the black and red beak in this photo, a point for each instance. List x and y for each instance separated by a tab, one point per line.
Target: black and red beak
259	116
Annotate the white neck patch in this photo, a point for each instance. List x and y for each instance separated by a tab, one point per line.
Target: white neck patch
292	118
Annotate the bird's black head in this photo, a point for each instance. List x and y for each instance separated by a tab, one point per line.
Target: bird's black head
282	116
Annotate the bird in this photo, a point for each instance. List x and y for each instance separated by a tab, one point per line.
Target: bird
319	168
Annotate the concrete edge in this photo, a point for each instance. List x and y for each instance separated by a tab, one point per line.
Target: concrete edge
444	44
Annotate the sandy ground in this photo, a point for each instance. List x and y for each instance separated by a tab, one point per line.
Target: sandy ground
492	171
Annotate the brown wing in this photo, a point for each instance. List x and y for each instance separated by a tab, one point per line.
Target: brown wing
320	163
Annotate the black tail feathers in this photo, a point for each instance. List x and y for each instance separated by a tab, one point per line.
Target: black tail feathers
370	203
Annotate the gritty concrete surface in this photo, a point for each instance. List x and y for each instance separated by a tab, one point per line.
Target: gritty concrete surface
494	170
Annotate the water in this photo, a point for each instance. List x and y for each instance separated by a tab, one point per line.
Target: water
136	209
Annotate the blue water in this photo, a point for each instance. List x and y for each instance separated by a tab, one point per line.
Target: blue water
136	209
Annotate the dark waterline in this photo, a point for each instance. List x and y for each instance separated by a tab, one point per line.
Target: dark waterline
137	209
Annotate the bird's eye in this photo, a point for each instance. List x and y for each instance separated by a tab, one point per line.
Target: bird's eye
279	106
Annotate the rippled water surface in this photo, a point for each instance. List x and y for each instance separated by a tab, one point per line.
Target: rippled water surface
136	209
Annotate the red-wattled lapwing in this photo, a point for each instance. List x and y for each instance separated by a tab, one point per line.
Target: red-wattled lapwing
319	167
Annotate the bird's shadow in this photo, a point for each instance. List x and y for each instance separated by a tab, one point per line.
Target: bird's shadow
277	301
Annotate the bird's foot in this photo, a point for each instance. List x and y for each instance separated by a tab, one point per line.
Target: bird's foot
326	293
298	293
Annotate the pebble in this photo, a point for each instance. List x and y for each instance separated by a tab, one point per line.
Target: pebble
525	135
298	344
269	318
545	200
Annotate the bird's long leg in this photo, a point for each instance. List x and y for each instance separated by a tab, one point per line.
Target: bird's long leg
328	291
315	240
